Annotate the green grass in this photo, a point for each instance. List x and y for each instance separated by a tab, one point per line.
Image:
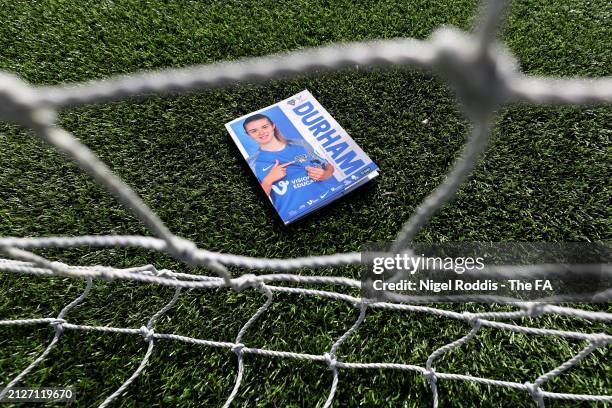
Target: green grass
545	177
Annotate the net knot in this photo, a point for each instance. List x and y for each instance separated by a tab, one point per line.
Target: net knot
58	325
331	361
480	77
18	102
163	272
534	391
59	267
107	274
474	321
237	348
147	333
182	249
244	281
535	309
430	374
600	339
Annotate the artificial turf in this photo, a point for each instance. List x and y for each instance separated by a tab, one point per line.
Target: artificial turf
544	177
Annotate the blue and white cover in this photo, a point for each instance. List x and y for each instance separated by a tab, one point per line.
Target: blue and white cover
284	142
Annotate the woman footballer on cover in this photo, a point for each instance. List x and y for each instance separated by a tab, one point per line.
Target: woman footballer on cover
289	170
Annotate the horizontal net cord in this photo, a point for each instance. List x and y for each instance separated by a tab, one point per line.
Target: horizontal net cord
560	90
482	317
117	274
432	53
596	337
201	256
466	316
529	308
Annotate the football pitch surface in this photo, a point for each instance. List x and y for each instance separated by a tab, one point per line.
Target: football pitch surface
544	177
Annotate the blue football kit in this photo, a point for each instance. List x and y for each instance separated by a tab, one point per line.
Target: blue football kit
296	192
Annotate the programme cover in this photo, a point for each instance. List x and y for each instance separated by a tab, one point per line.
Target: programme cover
302	158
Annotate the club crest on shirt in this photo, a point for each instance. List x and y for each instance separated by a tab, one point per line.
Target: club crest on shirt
300	158
293	101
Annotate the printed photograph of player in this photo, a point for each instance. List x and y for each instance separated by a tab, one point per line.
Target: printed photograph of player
287	167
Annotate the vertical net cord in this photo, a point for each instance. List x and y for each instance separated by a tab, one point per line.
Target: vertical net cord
462	168
534	389
238	347
42	124
492	15
430	373
330	358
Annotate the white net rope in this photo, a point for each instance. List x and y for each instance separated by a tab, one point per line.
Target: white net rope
485	76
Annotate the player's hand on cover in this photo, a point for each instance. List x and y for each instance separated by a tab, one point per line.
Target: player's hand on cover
318	174
277	172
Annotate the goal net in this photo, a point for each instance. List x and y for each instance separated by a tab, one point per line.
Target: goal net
485	76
